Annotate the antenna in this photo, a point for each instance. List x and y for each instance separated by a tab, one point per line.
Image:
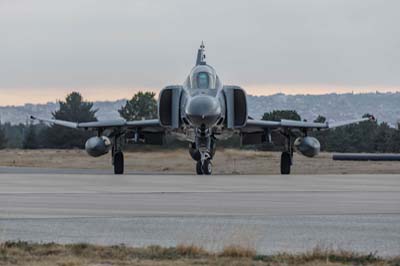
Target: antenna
201	55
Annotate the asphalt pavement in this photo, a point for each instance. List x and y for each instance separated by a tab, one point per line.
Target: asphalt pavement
272	213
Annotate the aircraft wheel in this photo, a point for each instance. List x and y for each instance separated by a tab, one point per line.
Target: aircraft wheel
118	163
207	167
199	169
286	163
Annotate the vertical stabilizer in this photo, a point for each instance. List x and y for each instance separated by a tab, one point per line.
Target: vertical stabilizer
201	55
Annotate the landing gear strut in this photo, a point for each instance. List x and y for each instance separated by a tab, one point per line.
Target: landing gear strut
287	155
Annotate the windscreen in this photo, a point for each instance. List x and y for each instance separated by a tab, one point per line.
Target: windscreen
203	80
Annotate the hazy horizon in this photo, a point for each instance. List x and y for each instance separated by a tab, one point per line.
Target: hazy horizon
130	93
109	50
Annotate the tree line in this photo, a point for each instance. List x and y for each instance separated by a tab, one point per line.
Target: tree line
143	105
368	136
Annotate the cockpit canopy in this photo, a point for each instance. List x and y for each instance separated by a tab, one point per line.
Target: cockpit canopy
203	77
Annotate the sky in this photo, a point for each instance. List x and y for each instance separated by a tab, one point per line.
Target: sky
109	50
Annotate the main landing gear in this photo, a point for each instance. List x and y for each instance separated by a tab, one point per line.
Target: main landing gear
118	155
119	163
286	163
287	156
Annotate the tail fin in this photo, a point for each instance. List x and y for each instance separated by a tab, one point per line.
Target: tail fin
201	55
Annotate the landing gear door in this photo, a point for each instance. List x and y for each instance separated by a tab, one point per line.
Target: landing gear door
236	107
168	106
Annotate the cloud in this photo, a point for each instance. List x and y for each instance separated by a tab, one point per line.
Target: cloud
149	44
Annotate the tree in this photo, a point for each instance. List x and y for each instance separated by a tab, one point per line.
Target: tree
367	115
320	119
359	137
3	139
277	138
321	135
73	109
395	141
277	115
143	105
30	138
382	138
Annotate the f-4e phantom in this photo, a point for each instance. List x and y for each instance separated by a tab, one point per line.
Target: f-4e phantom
200	112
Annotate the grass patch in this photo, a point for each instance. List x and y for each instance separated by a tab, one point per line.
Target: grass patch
26	253
234	251
343	257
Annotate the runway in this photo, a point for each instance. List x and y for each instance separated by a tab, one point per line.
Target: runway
271	213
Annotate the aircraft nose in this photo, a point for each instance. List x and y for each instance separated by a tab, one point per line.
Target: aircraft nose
203	110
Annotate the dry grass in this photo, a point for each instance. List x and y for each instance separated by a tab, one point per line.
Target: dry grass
24	253
235	251
191	251
179	161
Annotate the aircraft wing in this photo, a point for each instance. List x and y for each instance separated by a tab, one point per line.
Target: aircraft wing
105	124
302	125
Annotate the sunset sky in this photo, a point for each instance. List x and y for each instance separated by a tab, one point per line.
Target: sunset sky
110	49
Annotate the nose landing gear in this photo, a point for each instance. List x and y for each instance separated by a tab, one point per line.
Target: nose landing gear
199	168
207	167
204	165
202	151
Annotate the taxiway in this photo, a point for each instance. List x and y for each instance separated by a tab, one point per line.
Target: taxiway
271	212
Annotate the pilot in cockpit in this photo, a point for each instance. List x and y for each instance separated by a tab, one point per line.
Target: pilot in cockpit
203	77
203	80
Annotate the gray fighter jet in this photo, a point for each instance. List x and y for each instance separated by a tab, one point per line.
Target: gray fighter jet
201	112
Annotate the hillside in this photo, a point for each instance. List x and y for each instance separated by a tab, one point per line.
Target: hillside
385	106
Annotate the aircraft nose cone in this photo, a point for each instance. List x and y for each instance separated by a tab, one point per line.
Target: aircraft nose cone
203	110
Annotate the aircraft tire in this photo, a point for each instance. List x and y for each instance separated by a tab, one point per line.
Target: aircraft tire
286	163
207	167
199	169
118	163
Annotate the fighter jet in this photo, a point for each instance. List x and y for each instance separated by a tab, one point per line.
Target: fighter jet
201	112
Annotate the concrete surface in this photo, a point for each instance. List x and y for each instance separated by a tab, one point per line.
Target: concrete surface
271	213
